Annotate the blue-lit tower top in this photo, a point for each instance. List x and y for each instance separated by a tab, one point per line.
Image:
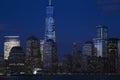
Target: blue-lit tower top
102	32
50	23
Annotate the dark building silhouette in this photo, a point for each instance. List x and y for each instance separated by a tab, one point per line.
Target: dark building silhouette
95	65
16	61
84	63
3	66
33	57
113	50
67	63
113	47
76	59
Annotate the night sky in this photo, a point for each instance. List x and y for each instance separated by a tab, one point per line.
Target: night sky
75	20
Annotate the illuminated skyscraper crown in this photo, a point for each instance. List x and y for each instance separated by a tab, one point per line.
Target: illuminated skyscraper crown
50	23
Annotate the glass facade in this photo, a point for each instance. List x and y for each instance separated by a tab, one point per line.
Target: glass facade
33	56
16	61
32	47
50	23
47	56
102	32
113	47
100	42
50	60
88	48
50	51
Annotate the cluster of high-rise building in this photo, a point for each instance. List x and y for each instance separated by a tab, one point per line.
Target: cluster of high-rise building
100	56
39	56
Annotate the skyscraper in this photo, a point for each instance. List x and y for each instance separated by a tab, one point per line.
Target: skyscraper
100	42
113	50
50	23
50	52
76	58
113	47
16	61
88	48
9	42
47	56
33	57
32	47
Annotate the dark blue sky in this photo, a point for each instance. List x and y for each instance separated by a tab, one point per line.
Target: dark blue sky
76	20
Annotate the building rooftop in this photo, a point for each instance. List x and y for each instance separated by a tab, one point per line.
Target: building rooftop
32	38
11	36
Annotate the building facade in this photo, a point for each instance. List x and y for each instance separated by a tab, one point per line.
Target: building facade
9	42
66	63
88	48
42	49
50	23
113	50
33	56
32	47
50	48
113	47
76	59
47	56
100	42
3	66
16	61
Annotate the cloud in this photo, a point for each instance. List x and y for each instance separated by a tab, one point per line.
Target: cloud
108	1
3	27
109	5
116	1
6	28
111	8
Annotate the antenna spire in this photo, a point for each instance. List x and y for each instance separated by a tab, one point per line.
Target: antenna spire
50	2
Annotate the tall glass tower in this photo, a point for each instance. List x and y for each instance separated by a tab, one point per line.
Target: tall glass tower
100	42
50	23
50	51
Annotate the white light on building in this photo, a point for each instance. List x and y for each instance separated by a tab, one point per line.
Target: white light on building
42	49
9	42
36	71
100	42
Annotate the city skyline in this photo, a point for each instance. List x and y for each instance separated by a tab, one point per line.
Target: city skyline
17	16
81	42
